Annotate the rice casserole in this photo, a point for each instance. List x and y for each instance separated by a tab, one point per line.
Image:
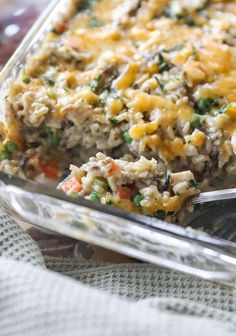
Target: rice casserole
137	97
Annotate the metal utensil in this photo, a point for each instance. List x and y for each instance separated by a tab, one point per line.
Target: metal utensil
212	196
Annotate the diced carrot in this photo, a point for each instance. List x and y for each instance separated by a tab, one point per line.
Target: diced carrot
62	27
124	192
51	170
73	184
114	168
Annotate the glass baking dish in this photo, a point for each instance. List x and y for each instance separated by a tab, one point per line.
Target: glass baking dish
209	255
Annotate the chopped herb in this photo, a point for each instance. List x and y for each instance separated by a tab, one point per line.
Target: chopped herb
95	197
9	148
97	103
109	202
196	121
52	138
127	137
224	108
176	48
95	23
163	64
186	19
192	184
160	214
204	105
4	155
113	120
95	82
26	80
49	81
135	86
159	83
85	5
114	94
137	200
177	194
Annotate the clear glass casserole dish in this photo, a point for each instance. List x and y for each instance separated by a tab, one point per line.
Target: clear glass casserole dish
144	238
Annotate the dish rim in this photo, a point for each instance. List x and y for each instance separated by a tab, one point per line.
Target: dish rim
28	44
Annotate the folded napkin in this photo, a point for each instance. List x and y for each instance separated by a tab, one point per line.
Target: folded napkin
66	296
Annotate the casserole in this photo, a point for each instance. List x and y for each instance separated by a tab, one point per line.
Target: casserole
126	237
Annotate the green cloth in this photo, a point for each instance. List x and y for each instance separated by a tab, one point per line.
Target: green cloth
67	296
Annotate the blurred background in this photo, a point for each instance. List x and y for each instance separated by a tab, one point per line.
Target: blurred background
16	17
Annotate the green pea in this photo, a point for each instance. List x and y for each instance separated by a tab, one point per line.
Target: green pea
95	197
137	200
52	138
113	120
10	147
196	121
127	138
4	155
